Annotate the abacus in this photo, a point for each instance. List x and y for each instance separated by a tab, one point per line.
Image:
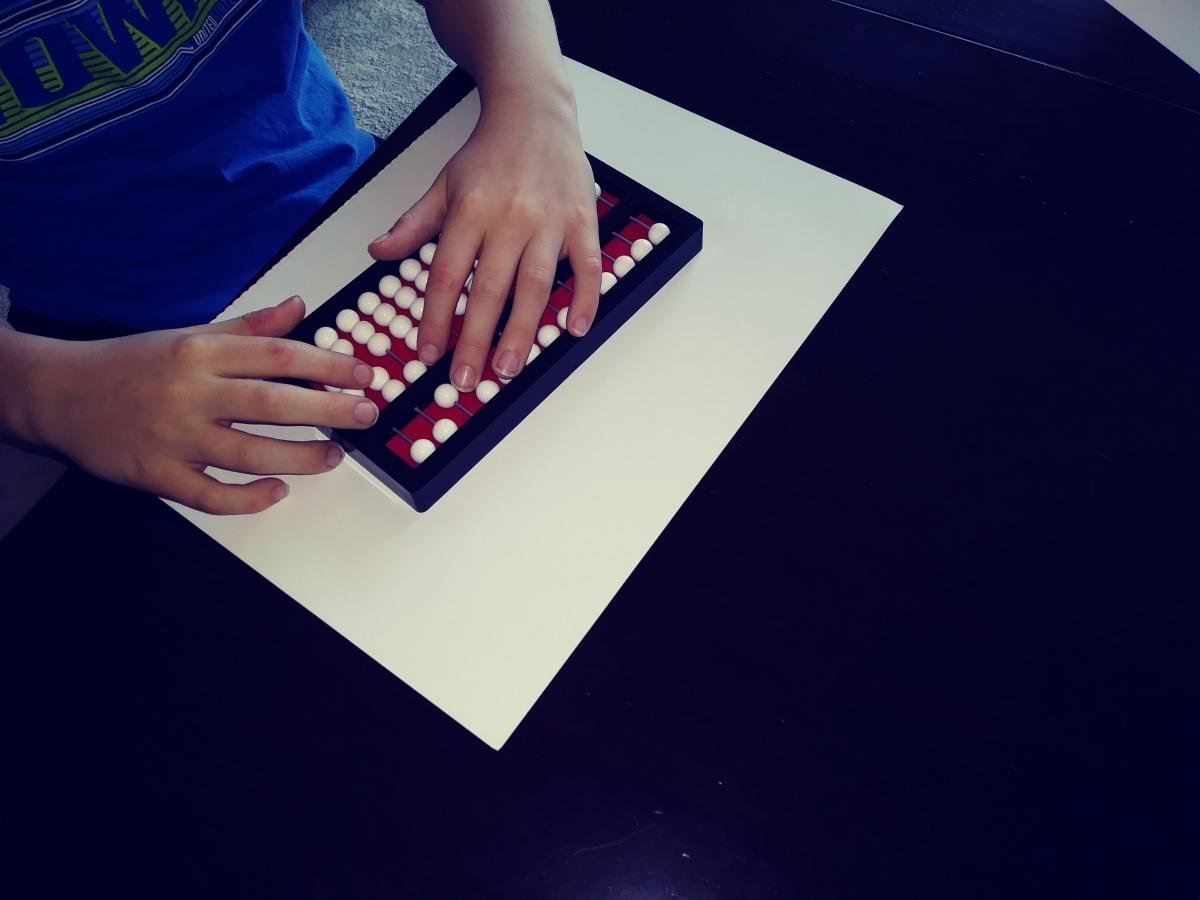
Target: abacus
429	434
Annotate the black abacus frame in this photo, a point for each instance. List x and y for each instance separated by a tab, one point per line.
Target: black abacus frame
423	485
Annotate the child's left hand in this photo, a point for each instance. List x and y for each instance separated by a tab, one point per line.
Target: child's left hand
519	197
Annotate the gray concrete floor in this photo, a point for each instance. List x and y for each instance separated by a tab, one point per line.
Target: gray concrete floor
387	60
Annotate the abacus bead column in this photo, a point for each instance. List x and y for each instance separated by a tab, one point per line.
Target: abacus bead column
379	344
413	370
341	345
622	266
392	389
641	247
486	390
368	302
443	430
381	377
346	320
400	326
410	269
427	253
658	233
607	280
445	396
388	285
547	335
420	450
325	337
361	332
383	315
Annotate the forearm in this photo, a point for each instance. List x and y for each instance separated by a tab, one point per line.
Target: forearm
23	359
508	46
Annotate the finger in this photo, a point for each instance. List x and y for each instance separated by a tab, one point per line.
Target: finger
455	256
490	285
583	246
417	225
245	357
534	281
270	321
238	451
205	493
264	402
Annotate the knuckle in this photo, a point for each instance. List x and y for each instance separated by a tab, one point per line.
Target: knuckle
590	266
282	354
188	349
442	282
471	202
271	404
539	275
487	288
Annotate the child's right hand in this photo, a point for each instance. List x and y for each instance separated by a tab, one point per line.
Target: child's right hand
153	410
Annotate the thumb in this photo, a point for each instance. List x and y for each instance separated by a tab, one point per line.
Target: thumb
270	321
422	222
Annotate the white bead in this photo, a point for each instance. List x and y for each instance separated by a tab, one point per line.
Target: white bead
418	308
596	187
354	392
335	390
443	430
534	352
470	280
368	302
405	297
400	326
410	269
388	285
547	335
622	266
392	390
420	450
640	248
486	390
379	344
427	252
422	281
460	308
346	320
361	332
410	339
341	345
325	337
561	318
413	370
445	396
607	280
658	233
384	313
381	378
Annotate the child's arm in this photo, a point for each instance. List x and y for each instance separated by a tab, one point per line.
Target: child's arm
517	196
153	410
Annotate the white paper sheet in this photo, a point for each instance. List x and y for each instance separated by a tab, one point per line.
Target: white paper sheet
477	603
1173	23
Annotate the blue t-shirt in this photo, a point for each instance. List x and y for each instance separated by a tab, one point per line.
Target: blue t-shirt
155	153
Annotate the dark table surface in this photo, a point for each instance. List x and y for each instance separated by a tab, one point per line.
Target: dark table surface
928	628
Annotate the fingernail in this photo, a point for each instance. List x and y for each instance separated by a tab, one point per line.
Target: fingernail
464	378
366	412
429	354
506	365
333	455
382	237
580	326
280	491
363	374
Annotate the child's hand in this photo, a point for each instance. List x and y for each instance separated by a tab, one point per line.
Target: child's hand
153	410
519	196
